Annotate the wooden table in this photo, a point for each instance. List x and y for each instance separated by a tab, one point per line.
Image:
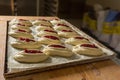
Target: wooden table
102	70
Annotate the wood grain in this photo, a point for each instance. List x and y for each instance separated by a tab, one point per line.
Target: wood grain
103	70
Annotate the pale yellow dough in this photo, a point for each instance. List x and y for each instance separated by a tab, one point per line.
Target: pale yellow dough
87	51
43	33
67	34
21	34
59	28
39	28
26	45
73	41
43	40
39	22
64	52
16	27
16	21
30	58
54	22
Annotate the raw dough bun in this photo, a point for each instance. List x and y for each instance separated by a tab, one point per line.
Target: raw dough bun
44	40
60	27
19	26
39	28
87	50
76	40
26	45
21	21
30	57
67	34
44	32
21	34
57	21
57	51
42	22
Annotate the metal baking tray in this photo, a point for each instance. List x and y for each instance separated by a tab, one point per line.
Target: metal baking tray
14	68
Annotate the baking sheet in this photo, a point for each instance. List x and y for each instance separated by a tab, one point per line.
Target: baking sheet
14	66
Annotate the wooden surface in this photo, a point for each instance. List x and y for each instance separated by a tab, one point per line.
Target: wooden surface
103	70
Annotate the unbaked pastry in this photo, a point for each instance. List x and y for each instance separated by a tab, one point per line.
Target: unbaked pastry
21	33
48	39
20	26
21	21
57	50
87	49
67	33
57	21
61	27
25	43
42	22
43	27
30	56
47	32
77	40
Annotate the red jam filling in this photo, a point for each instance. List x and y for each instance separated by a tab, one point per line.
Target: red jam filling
80	38
22	20
20	30
89	45
32	51
56	46
43	19
67	31
50	31
20	24
27	40
62	25
52	37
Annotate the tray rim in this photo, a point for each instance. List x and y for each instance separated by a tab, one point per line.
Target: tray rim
35	70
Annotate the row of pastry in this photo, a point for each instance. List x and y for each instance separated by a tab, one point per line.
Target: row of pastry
50	34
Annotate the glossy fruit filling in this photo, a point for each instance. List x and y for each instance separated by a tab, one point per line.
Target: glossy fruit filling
89	45
27	40
56	46
32	51
52	37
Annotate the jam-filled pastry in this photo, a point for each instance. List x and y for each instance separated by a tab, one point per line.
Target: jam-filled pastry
21	21
21	33
43	22
25	43
57	50
57	21
61	27
47	32
77	40
48	39
20	26
30	56
67	33
88	49
43	27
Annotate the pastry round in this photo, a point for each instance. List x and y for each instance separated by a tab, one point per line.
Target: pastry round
20	26
43	27
87	49
21	33
57	21
48	39
77	40
30	56
21	21
25	43
57	50
47	32
42	22
61	27
67	33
